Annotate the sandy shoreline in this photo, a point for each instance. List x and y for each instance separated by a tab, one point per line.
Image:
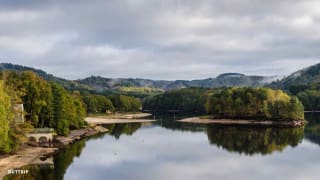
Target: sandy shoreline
100	120
198	120
119	118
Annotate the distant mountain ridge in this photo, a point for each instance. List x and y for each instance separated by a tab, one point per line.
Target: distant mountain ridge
223	80
43	74
100	84
306	76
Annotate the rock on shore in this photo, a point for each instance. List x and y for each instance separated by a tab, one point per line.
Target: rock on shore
78	134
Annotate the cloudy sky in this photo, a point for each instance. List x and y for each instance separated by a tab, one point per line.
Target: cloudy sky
160	39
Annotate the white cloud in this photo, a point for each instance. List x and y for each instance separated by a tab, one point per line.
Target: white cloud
149	38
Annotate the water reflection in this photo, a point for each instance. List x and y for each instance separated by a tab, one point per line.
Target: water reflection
61	162
170	122
248	140
63	159
173	150
37	172
312	130
117	130
254	140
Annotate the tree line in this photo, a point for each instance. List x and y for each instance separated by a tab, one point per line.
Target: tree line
309	95
254	103
183	100
48	104
235	103
108	104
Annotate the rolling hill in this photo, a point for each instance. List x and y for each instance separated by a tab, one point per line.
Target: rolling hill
307	76
136	86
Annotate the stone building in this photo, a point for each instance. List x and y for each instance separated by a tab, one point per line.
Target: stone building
18	113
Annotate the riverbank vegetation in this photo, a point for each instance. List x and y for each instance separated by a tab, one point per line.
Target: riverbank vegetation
11	134
125	103
45	104
309	95
233	103
5	120
98	103
254	103
189	100
48	104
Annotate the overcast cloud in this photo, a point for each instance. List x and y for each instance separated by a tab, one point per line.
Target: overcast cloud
160	39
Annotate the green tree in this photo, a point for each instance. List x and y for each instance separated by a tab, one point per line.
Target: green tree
35	94
68	110
98	103
125	103
61	123
12	135
310	99
233	103
5	118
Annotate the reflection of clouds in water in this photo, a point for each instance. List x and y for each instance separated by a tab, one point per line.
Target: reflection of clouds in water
308	145
157	153
142	146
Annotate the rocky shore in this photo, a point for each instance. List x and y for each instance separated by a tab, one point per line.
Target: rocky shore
78	134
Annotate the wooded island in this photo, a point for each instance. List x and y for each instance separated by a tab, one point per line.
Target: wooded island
233	103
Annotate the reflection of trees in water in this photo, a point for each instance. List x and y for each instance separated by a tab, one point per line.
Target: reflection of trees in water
170	122
64	158
37	172
312	130
254	140
179	126
62	161
117	130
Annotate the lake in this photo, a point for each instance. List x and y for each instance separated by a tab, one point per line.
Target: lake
169	150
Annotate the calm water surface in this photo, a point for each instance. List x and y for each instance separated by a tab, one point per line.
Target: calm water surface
166	150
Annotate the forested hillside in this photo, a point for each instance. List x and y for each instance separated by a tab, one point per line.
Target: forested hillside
223	80
307	76
144	87
305	84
